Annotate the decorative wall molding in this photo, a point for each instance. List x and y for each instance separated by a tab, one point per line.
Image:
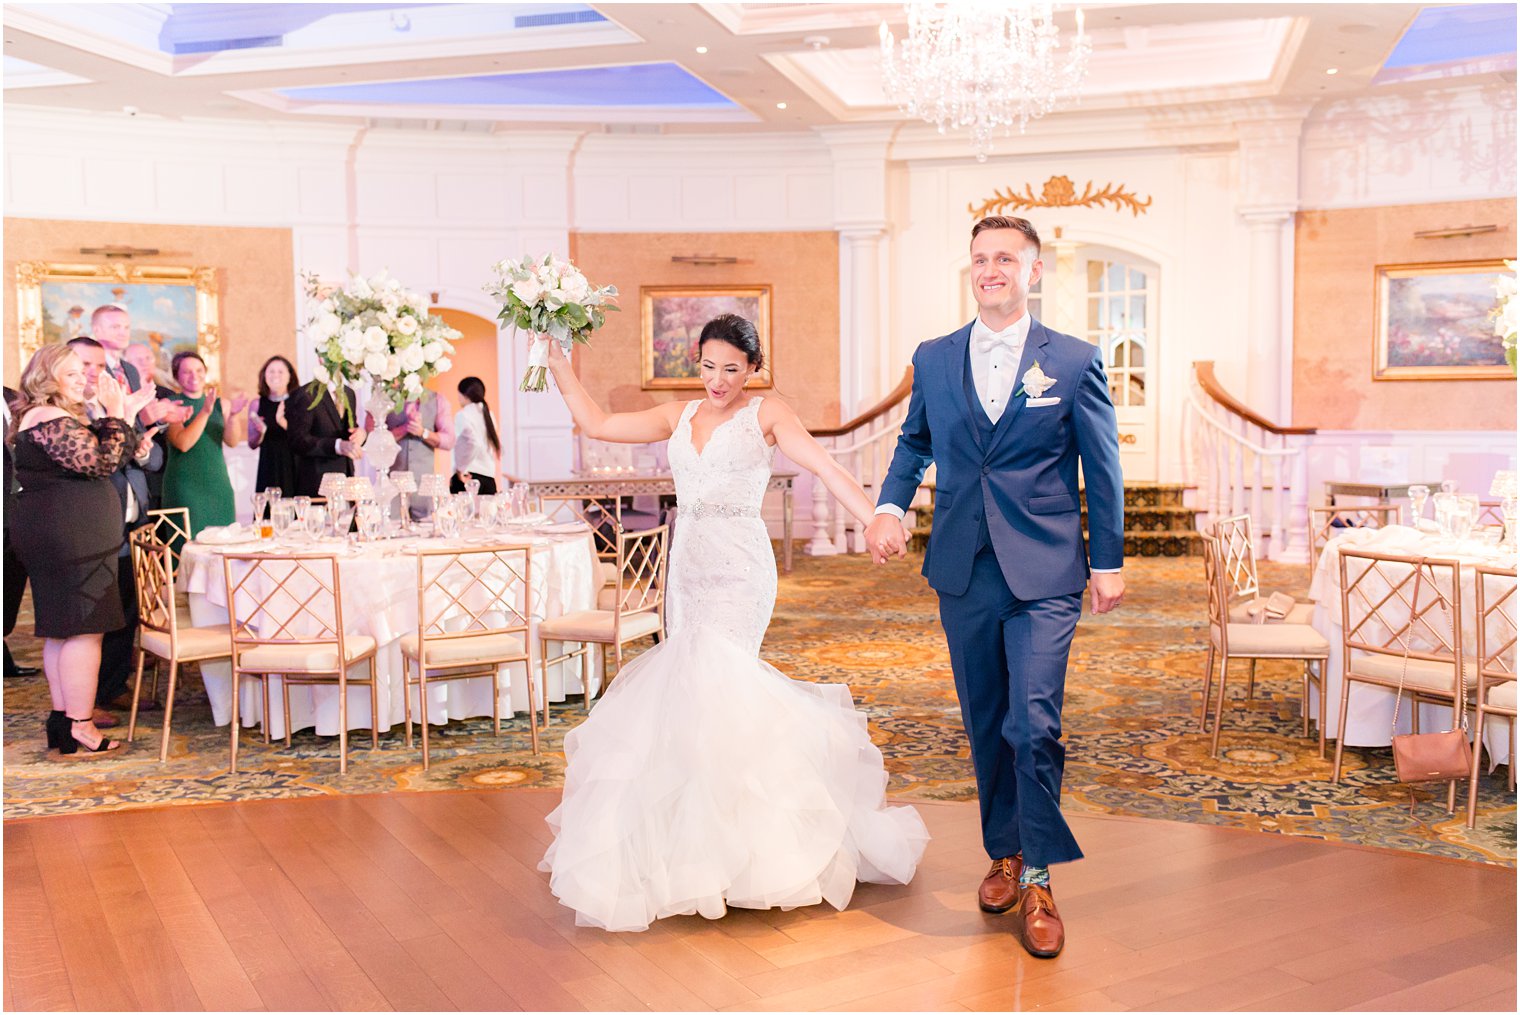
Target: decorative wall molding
1060	192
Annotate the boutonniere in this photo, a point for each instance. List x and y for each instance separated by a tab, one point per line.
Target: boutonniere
1035	382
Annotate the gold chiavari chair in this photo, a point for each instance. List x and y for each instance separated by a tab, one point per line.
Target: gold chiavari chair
1326	522
170	526
287	620
604	515
159	633
1490	512
1401	621
1228	640
1495	599
1238	546
638	611
472	618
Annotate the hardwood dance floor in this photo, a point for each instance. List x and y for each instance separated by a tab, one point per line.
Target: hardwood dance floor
432	901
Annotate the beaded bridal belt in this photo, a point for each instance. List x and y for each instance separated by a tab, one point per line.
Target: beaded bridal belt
702	509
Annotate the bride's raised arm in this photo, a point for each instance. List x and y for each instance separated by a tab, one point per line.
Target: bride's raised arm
656	424
801	447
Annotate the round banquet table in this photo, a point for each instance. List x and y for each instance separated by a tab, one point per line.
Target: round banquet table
1369	712
379	582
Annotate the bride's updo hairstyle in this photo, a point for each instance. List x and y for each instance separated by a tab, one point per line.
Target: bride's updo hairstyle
737	332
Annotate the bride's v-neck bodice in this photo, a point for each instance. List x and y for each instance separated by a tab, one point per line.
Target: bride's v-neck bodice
722	567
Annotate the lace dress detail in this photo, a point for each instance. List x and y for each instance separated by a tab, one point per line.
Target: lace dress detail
722	567
706	778
96	450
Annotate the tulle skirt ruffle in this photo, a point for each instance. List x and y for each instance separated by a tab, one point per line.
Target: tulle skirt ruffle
705	778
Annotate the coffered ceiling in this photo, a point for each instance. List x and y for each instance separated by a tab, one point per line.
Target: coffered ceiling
641	67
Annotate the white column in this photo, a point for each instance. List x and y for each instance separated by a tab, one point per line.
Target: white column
1269	341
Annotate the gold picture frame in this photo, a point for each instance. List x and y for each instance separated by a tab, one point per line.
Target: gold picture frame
672	317
1434	321
174	308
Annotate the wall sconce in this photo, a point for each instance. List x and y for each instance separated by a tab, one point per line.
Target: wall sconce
703	259
1441	234
117	251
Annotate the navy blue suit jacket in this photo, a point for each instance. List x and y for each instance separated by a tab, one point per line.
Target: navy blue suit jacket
1024	482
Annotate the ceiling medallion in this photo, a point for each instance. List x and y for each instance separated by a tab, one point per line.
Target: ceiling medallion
981	65
1060	192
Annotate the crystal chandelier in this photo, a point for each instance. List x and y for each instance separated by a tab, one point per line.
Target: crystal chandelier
983	65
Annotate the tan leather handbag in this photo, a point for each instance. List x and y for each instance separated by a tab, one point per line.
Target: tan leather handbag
1432	757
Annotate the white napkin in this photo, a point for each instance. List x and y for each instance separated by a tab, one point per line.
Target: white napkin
234	533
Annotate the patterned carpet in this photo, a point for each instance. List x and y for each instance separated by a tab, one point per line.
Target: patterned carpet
1131	723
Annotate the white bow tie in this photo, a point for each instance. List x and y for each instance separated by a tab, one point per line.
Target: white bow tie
1009	339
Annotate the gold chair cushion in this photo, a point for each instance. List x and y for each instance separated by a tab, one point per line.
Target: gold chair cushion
298	658
484	647
1502	695
1289	641
1240	613
596	625
1423	674
194	643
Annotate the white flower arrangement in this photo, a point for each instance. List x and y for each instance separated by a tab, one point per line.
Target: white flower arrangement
549	296
372	330
1507	315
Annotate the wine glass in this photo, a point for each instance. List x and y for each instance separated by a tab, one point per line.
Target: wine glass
300	506
260	502
489	510
1444	502
315	521
446	518
465	507
1419	493
280	516
370	517
1463	515
406	485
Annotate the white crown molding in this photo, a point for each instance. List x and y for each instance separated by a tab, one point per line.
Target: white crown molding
769	19
497	113
110	33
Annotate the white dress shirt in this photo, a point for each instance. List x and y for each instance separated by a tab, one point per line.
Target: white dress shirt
471	451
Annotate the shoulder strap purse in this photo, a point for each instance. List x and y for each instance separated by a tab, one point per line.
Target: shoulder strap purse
1432	757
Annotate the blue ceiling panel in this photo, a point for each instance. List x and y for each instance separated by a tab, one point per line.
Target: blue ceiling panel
1451	41
662	85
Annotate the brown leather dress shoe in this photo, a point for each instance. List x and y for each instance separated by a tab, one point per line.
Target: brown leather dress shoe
1039	925
1000	888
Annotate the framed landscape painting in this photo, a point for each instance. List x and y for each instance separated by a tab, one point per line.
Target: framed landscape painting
172	309
1436	322
672	318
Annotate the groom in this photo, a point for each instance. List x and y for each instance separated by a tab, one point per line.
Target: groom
1007	409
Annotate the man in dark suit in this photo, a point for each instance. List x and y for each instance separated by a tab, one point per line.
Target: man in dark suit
321	438
1007	410
15	571
131	484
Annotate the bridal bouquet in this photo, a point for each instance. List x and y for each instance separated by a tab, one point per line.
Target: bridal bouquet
548	296
373	330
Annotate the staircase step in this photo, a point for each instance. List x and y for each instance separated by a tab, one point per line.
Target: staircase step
1170	543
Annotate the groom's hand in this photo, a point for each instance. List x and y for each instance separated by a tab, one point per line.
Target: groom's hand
886	538
1107	591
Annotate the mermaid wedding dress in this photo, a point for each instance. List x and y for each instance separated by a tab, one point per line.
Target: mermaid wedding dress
706	778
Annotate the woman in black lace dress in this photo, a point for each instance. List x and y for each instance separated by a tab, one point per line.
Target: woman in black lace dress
67	528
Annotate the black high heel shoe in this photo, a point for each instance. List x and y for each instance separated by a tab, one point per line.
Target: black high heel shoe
74	743
58	729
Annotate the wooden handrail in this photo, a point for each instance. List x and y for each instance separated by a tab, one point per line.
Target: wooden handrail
881	408
1203	370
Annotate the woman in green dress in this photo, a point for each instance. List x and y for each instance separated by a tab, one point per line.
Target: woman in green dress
195	476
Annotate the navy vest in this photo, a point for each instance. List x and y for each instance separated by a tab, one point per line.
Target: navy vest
985	430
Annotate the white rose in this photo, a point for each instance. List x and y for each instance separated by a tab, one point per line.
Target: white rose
332	323
411	357
316	331
375	339
406	325
575	287
528	290
375	363
320	373
392	368
443	365
359	288
413	384
352	347
431	351
386	320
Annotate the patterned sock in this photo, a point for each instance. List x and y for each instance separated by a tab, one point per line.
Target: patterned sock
1034	876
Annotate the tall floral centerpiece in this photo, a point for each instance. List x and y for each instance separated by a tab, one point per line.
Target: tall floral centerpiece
377	335
549	296
1507	317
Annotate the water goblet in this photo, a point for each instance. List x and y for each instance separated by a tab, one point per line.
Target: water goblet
488	509
1462	519
1419	493
1444	503
406	485
446	519
315	521
280	516
464	506
370	518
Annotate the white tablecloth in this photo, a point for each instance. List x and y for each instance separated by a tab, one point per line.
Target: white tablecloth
380	600
1369	712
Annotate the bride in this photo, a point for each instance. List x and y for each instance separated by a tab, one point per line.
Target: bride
707	778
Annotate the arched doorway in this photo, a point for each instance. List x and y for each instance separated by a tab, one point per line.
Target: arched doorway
474	355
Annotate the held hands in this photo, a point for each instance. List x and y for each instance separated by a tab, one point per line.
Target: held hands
353	447
1107	591
886	537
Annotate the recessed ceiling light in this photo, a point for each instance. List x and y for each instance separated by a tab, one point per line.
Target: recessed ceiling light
1332	70
781	105
701	49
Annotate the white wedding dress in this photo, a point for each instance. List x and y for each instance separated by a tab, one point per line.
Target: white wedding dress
705	778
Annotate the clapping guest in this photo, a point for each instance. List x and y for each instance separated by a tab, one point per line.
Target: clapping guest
196	474
424	425
477	449
321	438
67	528
269	426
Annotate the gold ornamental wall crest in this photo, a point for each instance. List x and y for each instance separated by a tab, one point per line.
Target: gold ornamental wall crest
1060	192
